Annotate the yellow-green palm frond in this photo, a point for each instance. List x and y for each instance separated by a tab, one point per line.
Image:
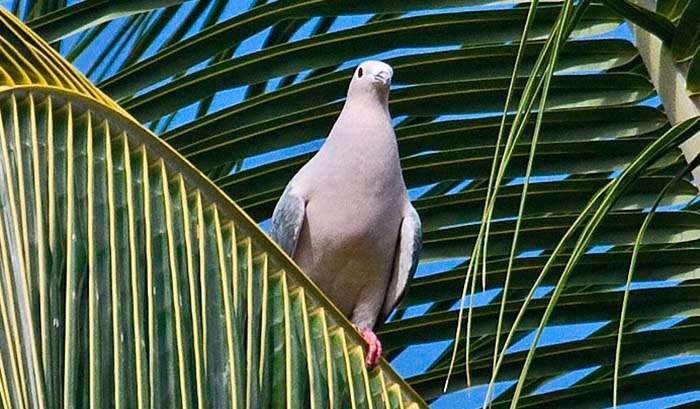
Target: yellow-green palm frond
129	279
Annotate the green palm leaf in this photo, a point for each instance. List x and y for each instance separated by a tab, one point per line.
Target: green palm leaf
171	67
123	267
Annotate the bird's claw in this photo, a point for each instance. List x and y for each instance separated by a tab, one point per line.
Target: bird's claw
374	351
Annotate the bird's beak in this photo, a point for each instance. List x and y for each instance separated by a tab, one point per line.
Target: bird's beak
383	77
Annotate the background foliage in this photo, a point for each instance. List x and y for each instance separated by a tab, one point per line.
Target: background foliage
246	92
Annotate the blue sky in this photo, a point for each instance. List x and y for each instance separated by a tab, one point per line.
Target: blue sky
417	358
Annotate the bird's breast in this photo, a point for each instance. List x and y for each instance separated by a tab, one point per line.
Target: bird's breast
360	218
346	242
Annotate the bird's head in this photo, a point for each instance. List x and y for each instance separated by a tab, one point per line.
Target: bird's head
371	79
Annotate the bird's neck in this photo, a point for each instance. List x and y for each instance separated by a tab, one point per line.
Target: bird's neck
363	140
369	95
364	123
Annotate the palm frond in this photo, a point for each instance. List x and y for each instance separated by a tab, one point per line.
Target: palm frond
126	269
249	117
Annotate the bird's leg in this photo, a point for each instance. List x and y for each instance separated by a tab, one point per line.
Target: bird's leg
365	313
374	351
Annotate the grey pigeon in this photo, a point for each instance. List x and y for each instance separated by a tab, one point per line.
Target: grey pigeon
346	218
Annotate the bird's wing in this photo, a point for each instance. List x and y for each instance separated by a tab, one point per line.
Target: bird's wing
287	220
405	261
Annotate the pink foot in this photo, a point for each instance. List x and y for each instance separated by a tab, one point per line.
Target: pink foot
375	347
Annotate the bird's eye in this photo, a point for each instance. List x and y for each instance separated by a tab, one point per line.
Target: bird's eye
360	72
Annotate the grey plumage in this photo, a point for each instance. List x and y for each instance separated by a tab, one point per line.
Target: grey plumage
405	263
345	217
287	219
